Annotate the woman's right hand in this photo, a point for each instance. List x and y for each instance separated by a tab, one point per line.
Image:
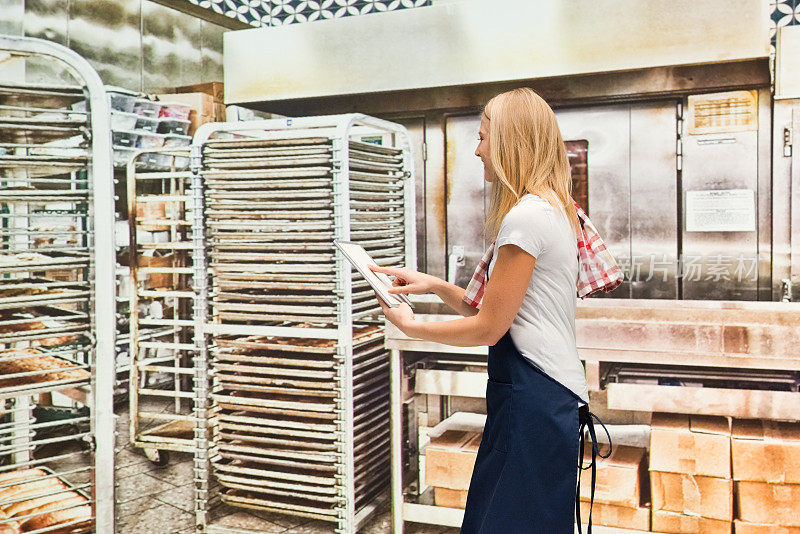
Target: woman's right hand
407	281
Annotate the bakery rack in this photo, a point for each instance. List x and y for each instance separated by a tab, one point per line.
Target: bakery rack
291	373
161	297
57	308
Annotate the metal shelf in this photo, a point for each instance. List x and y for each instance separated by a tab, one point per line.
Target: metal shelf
278	352
58	336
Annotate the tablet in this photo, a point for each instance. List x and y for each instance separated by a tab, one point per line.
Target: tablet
361	260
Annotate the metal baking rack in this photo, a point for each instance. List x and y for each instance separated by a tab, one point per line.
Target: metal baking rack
292	377
161	297
56	260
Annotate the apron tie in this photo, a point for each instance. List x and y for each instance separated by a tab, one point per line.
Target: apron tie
586	420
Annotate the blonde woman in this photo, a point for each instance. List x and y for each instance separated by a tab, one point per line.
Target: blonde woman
525	474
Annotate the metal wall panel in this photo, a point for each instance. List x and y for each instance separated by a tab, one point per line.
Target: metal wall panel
795	205
720	265
518	39
654	200
171	48
465	186
416	133
608	132
435	196
12	14
782	189
107	34
211	51
764	196
46	20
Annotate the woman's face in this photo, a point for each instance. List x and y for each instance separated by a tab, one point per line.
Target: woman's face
482	151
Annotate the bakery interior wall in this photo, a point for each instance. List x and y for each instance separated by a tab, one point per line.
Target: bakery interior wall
135	44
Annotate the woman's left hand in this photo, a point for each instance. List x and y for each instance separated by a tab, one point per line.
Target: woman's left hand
401	316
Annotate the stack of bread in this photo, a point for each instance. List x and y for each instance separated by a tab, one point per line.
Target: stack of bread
31	500
621	492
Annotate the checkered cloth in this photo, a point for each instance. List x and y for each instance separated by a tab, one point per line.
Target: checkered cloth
597	270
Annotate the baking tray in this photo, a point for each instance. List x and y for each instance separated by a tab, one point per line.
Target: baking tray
361	155
252	400
221	176
361	336
303	459
275	484
40	95
74	526
375	168
278	184
278	412
31	388
372	147
282	433
228	144
268	163
365	175
63	322
268	152
257	471
294	228
51	292
269	198
35	134
266	503
36	261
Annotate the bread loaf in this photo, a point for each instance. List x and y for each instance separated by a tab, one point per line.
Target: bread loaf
63	504
52	519
29	490
24	507
20	474
37	361
12	527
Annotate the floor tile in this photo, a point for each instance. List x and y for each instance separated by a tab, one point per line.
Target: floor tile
247	520
181	497
140	485
163	519
130	508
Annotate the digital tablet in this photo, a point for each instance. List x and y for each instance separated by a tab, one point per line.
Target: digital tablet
361	260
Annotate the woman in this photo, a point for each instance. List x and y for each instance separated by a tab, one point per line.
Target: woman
525	475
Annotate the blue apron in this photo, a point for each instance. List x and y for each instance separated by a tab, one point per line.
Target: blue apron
527	468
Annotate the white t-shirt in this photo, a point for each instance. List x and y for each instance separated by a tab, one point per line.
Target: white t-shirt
544	328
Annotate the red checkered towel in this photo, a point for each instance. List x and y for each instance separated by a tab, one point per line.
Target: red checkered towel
597	270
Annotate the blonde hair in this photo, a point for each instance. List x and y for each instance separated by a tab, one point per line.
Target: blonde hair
528	156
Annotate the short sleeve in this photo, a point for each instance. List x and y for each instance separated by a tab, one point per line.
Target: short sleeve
528	226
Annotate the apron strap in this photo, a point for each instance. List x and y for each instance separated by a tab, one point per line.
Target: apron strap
586	420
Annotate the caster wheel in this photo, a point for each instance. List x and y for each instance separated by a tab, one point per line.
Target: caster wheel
157	457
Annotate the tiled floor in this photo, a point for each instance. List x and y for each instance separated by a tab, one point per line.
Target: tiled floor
153	500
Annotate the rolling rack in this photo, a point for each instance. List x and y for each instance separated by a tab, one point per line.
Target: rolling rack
57	310
161	299
292	377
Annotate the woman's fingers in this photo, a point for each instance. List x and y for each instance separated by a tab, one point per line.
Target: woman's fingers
392	271
406	289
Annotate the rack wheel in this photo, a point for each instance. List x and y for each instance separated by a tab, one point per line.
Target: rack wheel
157	457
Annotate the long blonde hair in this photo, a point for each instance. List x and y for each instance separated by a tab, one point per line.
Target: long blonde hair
528	156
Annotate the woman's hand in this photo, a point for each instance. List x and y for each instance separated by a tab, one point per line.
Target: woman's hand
407	281
401	316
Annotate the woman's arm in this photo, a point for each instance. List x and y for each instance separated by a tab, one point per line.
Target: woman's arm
410	282
453	296
501	301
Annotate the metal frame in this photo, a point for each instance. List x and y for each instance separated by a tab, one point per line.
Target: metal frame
167	334
339	129
102	269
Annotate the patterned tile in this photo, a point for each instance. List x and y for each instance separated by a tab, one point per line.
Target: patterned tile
282	12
